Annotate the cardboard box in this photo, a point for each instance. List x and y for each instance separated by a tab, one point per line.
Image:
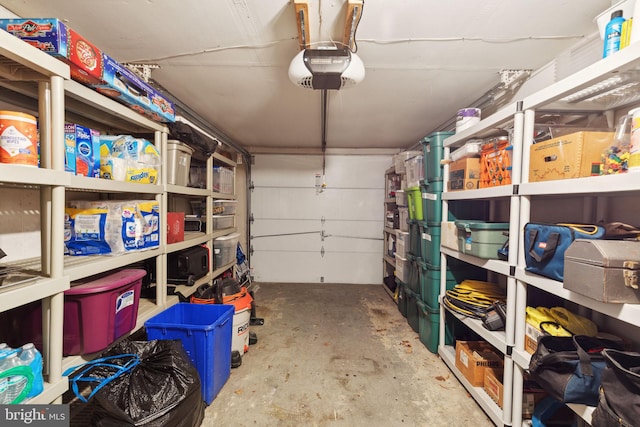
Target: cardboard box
571	156
464	174
493	384
494	387
175	227
473	357
87	149
531	335
91	66
122	84
54	37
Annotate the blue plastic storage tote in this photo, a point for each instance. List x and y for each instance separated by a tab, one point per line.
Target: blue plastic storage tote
205	331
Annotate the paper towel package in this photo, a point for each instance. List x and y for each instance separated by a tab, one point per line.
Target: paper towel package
111	226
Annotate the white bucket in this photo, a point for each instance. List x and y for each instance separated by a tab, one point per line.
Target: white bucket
466	118
240	334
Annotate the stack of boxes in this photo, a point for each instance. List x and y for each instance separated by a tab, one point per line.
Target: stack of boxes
428	238
421	267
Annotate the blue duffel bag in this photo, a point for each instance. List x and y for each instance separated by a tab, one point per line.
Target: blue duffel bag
545	244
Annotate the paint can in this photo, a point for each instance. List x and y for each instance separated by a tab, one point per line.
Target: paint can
18	138
466	118
634	146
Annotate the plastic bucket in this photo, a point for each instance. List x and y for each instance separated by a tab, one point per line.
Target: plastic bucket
178	162
18	138
242	302
240	333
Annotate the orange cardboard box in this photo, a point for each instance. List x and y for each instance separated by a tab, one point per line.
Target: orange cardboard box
473	357
493	384
464	174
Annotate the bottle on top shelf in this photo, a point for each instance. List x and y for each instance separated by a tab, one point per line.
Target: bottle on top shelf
613	34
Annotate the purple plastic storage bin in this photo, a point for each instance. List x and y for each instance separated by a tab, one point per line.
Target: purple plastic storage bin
97	311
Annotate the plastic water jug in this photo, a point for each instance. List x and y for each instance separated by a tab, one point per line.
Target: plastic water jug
30	356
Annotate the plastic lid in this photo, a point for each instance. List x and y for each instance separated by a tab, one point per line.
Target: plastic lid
228	237
108	282
616	14
174	143
482	225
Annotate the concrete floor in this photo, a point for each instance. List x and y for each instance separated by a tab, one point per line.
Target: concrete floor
339	355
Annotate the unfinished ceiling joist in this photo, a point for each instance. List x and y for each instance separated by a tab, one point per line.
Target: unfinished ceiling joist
354	12
302	19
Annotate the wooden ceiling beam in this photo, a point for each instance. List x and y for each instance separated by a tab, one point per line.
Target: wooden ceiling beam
354	12
302	20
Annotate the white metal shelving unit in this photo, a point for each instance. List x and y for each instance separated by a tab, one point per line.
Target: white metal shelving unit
202	237
507	120
45	76
29	72
388	261
604	87
592	90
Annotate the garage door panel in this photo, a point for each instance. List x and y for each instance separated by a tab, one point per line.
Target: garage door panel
306	243
286	170
353	236
354	268
281	237
286	203
350	213
352	204
266	227
356	228
288	267
356	172
349	245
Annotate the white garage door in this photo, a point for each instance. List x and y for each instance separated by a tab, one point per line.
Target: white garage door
301	234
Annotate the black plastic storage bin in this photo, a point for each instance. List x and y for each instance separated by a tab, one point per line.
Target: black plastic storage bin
402	298
415	243
412	310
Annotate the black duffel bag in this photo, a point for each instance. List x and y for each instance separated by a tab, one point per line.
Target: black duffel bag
570	368
620	393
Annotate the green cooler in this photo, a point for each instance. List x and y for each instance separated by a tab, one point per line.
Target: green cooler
480	238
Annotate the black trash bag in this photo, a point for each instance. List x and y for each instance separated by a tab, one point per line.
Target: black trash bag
186	134
163	390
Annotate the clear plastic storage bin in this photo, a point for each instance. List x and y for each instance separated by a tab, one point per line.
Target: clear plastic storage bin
224	249
223	221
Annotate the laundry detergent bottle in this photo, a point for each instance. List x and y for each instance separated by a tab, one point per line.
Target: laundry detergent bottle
612	34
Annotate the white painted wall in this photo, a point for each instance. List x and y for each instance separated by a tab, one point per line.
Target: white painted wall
288	211
19	223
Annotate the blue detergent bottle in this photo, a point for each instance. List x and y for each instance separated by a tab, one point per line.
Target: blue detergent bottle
612	34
